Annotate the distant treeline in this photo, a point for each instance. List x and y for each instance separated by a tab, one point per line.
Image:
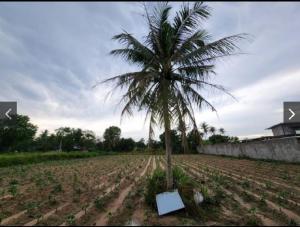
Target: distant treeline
22	137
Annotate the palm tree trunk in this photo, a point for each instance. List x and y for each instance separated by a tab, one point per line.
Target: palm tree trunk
184	143
167	138
168	153
182	129
60	145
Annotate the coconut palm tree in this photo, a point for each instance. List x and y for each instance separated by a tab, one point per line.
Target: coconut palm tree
212	130
205	127
222	131
182	128
175	60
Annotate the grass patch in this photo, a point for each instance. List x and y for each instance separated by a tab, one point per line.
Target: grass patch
11	159
157	184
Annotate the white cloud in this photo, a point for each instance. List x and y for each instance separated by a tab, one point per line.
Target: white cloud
51	55
259	105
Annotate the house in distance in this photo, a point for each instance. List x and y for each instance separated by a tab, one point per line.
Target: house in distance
285	129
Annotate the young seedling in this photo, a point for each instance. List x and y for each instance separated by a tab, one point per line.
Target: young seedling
99	204
285	175
268	185
39	182
52	199
70	219
2	216
32	209
13	188
246	196
262	201
57	188
282	197
245	184
253	221
84	207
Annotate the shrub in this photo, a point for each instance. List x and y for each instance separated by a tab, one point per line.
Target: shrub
57	188
33	209
99	203
186	187
157	184
215	139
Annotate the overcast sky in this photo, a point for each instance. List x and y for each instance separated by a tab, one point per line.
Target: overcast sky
51	54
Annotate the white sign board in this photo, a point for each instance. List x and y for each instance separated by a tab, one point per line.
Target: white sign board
168	202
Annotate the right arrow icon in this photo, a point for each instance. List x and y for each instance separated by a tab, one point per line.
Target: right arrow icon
293	114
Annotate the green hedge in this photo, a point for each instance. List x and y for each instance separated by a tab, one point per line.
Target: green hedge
29	158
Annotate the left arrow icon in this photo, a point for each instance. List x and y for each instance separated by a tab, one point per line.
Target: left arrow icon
7	114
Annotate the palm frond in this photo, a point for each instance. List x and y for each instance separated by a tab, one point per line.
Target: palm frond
176	61
187	19
222	47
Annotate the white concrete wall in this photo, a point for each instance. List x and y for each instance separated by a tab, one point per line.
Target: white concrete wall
283	149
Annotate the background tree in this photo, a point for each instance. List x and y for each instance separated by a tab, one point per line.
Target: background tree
64	138
42	141
212	130
88	140
155	145
183	137
111	137
194	139
19	136
175	62
100	145
222	131
125	144
205	128
214	139
141	144
175	141
234	139
70	139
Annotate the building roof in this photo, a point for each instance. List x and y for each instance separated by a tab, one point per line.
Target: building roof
292	125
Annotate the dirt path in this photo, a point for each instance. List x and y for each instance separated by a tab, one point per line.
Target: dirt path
154	163
137	217
6	197
112	207
6	221
161	165
47	215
